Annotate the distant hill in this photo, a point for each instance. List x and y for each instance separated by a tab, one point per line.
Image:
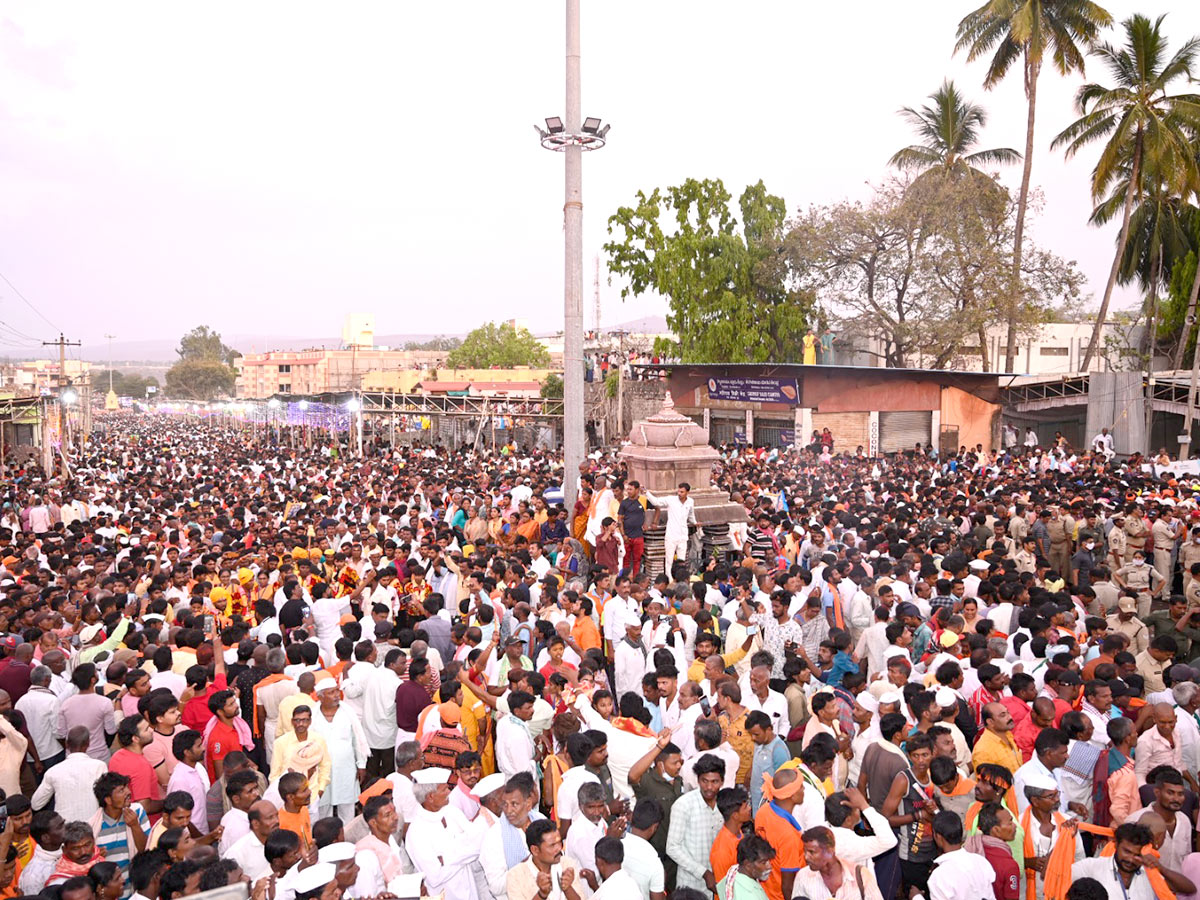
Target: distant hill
163	350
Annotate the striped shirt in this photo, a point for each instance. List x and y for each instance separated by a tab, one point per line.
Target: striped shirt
111	838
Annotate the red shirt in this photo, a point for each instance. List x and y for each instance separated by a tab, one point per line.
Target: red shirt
196	712
1007	885
1017	708
143	783
1024	735
222	740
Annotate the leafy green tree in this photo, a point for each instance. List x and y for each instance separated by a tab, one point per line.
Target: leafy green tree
204	343
1147	132
1026	31
200	379
122	384
438	343
916	275
727	282
552	387
1181	286
949	127
500	345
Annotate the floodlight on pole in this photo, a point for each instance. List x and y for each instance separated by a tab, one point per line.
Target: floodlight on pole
572	137
69	396
588	136
274	403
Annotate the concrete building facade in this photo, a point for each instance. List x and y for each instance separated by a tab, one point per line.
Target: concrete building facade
880	410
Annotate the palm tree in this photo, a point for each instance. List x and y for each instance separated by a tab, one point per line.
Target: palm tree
1026	30
949	130
1147	131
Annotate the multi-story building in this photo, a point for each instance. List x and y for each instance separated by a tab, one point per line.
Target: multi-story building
41	376
1055	349
316	371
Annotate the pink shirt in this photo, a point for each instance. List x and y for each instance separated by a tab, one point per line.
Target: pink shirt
1155	750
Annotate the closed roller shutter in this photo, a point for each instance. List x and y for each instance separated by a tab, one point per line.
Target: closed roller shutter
899	431
849	429
774	432
721	431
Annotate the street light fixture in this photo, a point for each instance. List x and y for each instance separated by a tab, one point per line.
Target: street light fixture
352	404
69	396
589	136
274	403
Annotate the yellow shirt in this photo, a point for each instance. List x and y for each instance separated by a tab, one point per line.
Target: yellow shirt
696	669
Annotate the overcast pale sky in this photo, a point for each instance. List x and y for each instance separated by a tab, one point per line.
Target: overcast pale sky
268	167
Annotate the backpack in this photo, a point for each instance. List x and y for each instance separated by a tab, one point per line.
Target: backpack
443	746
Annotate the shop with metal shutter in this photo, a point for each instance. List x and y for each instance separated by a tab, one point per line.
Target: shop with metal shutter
899	431
774	432
724	430
849	429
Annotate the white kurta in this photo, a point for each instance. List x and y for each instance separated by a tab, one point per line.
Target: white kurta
348	753
442	845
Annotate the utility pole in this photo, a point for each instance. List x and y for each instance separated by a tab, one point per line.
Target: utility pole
571	137
110	380
597	298
1185	439
62	344
573	417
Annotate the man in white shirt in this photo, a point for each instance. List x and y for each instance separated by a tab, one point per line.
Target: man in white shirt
248	851
843	811
1122	874
617	883
761	697
514	743
681	512
39	706
441	843
958	874
379	709
70	782
630	660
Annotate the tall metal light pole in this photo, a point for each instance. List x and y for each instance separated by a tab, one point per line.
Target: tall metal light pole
572	137
110	380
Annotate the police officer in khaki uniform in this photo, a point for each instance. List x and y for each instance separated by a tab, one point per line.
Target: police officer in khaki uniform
1018	525
1135	532
1001	537
1125	622
1090	530
1062	534
1192	591
1117	542
1141	577
1026	557
1166	531
1189	554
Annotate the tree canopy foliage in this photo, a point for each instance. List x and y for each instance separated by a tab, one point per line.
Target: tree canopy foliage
917	274
441	342
124	385
498	345
204	343
721	269
205	368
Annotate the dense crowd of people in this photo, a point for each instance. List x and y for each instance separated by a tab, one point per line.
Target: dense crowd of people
413	673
